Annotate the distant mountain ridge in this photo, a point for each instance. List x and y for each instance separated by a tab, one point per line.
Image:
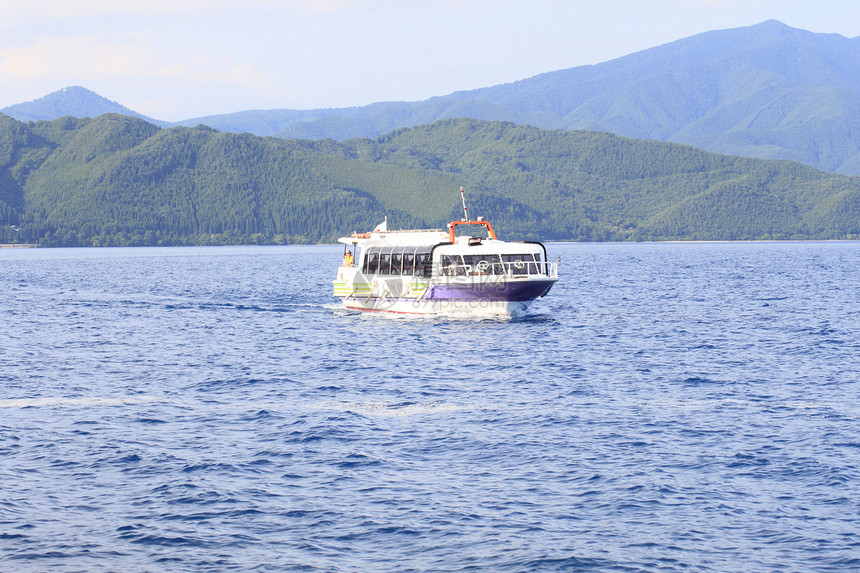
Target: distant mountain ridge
74	101
767	91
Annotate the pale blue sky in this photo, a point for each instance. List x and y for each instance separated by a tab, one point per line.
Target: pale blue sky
177	59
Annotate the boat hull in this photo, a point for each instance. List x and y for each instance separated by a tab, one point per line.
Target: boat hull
496	291
510	298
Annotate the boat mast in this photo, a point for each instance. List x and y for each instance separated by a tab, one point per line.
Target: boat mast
465	211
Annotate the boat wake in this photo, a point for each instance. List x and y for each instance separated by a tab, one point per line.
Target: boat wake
383	409
480	315
76	402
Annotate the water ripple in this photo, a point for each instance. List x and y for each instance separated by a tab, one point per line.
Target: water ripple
666	408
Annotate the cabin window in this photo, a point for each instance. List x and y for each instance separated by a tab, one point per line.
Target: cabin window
538	266
487	264
404	261
491	264
452	265
384	263
523	264
371	261
424	261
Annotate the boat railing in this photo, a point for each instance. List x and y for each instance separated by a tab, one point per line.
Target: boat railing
506	269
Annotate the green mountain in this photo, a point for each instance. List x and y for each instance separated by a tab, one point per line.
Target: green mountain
115	180
767	91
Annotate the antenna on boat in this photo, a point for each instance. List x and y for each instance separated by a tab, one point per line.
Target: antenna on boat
465	211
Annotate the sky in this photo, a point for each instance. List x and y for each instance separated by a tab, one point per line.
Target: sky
179	59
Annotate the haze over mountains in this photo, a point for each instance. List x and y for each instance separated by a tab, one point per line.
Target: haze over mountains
768	91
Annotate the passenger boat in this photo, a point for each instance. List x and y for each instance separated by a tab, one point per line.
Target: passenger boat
465	268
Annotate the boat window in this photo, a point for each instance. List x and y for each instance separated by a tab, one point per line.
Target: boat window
396	259
490	264
469	262
371	260
539	266
424	261
493	264
384	263
536	266
408	261
486	264
416	260
514	264
452	265
522	264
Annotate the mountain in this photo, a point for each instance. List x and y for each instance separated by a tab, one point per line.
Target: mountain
767	91
115	180
72	101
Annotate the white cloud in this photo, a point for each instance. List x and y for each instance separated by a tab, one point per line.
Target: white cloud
138	55
83	57
35	11
209	70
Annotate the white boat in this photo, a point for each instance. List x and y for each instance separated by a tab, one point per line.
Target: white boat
462	269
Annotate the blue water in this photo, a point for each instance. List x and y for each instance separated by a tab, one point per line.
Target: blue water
668	407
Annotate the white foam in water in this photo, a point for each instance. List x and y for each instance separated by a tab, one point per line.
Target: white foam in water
472	314
383	409
89	401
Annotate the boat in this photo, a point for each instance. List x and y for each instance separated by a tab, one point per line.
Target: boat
462	269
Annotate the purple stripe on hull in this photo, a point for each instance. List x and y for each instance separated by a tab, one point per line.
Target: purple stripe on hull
501	291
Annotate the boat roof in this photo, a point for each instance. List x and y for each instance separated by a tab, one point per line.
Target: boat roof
381	236
489	246
415	237
432	237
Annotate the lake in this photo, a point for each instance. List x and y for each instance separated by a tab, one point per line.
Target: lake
667	407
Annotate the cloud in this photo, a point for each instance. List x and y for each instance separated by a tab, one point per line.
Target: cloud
83	57
34	11
322	7
203	69
731	3
92	57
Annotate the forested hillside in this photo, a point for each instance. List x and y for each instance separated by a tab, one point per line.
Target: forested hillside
767	91
115	180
